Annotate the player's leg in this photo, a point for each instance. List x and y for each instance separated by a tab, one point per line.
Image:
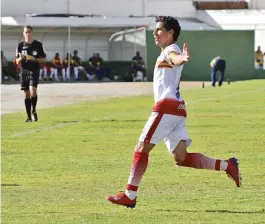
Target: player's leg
25	87
177	142
27	105
156	128
213	76
56	74
222	73
68	73
45	73
52	73
34	96
221	78
76	70
64	74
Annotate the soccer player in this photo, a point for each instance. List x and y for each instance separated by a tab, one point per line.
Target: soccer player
167	120
218	64
29	54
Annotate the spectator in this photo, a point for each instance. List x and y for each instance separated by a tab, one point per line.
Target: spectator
16	68
78	66
259	58
55	66
44	71
94	66
138	68
4	62
217	64
66	69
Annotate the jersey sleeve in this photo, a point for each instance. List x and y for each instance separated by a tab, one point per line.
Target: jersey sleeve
42	53
171	49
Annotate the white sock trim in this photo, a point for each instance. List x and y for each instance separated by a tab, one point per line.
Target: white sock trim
130	194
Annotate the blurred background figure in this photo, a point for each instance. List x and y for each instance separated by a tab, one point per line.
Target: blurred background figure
78	66
66	69
4	64
259	58
94	66
44	72
138	68
218	64
56	66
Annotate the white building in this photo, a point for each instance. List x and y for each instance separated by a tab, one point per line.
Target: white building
91	34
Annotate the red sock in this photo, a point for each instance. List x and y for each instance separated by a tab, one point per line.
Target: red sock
138	168
200	161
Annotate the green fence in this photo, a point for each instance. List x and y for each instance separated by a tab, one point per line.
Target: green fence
237	47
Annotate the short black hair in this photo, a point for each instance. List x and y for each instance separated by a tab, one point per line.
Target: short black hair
170	23
28	27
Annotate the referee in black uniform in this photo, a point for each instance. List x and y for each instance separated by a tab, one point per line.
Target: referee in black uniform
30	54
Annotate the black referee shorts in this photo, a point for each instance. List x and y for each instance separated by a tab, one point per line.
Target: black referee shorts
29	78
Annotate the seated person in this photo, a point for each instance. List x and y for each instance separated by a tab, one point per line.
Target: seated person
4	63
94	66
78	66
259	58
44	71
55	66
138	68
66	69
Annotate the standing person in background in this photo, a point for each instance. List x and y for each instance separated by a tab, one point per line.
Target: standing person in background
259	58
30	54
218	65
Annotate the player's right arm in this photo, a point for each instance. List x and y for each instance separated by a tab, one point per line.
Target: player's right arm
19	56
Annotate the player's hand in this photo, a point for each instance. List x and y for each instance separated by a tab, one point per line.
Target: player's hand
30	58
21	56
185	53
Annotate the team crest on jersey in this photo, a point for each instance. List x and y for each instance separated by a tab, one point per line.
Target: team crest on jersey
34	53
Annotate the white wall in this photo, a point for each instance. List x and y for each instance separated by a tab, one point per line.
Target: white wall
257	4
180	8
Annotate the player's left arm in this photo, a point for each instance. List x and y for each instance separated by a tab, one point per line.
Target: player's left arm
178	59
41	55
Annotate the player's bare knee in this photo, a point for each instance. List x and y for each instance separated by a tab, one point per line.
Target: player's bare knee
179	153
27	94
33	91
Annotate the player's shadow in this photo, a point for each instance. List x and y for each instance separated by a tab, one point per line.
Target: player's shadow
214	211
236	212
10	185
96	121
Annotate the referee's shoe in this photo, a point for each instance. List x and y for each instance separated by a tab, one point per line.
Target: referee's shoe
35	115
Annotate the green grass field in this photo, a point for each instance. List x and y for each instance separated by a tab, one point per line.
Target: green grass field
60	169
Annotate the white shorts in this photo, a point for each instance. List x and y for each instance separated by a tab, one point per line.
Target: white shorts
160	126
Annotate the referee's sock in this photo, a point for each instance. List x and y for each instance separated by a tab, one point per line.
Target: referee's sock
28	107
34	100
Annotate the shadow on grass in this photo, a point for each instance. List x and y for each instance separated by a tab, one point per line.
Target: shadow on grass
214	211
237	212
98	121
10	185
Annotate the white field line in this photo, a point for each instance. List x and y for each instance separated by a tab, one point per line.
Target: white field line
19	134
